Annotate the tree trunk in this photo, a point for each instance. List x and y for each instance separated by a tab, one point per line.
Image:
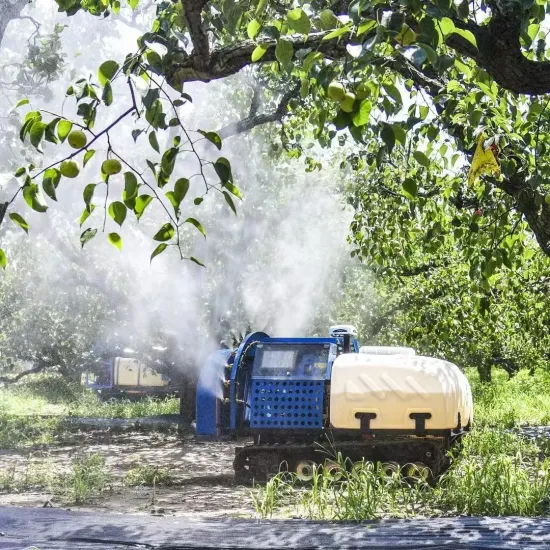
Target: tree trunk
484	371
9	10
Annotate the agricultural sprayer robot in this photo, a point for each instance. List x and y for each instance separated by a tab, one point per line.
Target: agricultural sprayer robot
301	398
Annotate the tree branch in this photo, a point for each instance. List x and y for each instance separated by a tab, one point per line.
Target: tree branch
499	50
193	19
229	60
17	377
254	120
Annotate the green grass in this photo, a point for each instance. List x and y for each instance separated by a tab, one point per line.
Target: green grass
523	400
52	395
33	412
497	473
146	474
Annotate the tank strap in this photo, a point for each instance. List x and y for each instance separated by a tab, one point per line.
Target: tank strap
365	418
420	422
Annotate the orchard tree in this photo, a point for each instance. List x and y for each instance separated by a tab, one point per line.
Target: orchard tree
417	85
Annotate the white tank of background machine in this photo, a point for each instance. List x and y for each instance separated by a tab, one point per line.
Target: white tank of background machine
303	400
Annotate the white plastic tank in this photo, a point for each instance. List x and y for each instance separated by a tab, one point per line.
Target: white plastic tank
386	350
393	387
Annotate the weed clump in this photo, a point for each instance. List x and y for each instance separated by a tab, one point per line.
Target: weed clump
148	475
496	473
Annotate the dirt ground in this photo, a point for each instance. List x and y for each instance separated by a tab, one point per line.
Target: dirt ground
202	476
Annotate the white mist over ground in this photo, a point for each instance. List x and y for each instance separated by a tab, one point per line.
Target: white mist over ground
271	267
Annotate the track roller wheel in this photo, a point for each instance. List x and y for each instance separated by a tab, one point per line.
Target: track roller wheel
305	470
391	468
333	470
417	471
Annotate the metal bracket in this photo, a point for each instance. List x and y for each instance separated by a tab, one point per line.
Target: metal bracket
420	422
365	421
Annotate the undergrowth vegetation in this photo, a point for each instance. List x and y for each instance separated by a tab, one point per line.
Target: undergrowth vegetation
84	478
522	400
53	395
497	473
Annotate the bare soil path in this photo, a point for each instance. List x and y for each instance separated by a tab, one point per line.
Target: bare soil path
202	475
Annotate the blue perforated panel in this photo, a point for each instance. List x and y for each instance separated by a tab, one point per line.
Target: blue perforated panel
287	404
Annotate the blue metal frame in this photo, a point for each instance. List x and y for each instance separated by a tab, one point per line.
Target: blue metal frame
239	356
209	390
208	419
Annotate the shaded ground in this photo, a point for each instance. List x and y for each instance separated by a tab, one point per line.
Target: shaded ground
61	530
201	485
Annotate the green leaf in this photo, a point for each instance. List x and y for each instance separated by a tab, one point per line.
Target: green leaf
133	4
410	189
388	137
131	188
107	95
64	129
33	199
158	250
168	160
107	71
253	28
50	181
117	211
223	169
31	115
421	158
212	137
153	141
141	204
447	25
328	19
88	235
229	201
284	52
180	188
366	27
178	194
21	102
115	239
88	193
393	92
194	260
86	214
3	259
259	52
467	35
430	53
197	224
299	21
50	131
338	32
37	133
165	233
20	221
49	188
87	156
362	116
233	189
